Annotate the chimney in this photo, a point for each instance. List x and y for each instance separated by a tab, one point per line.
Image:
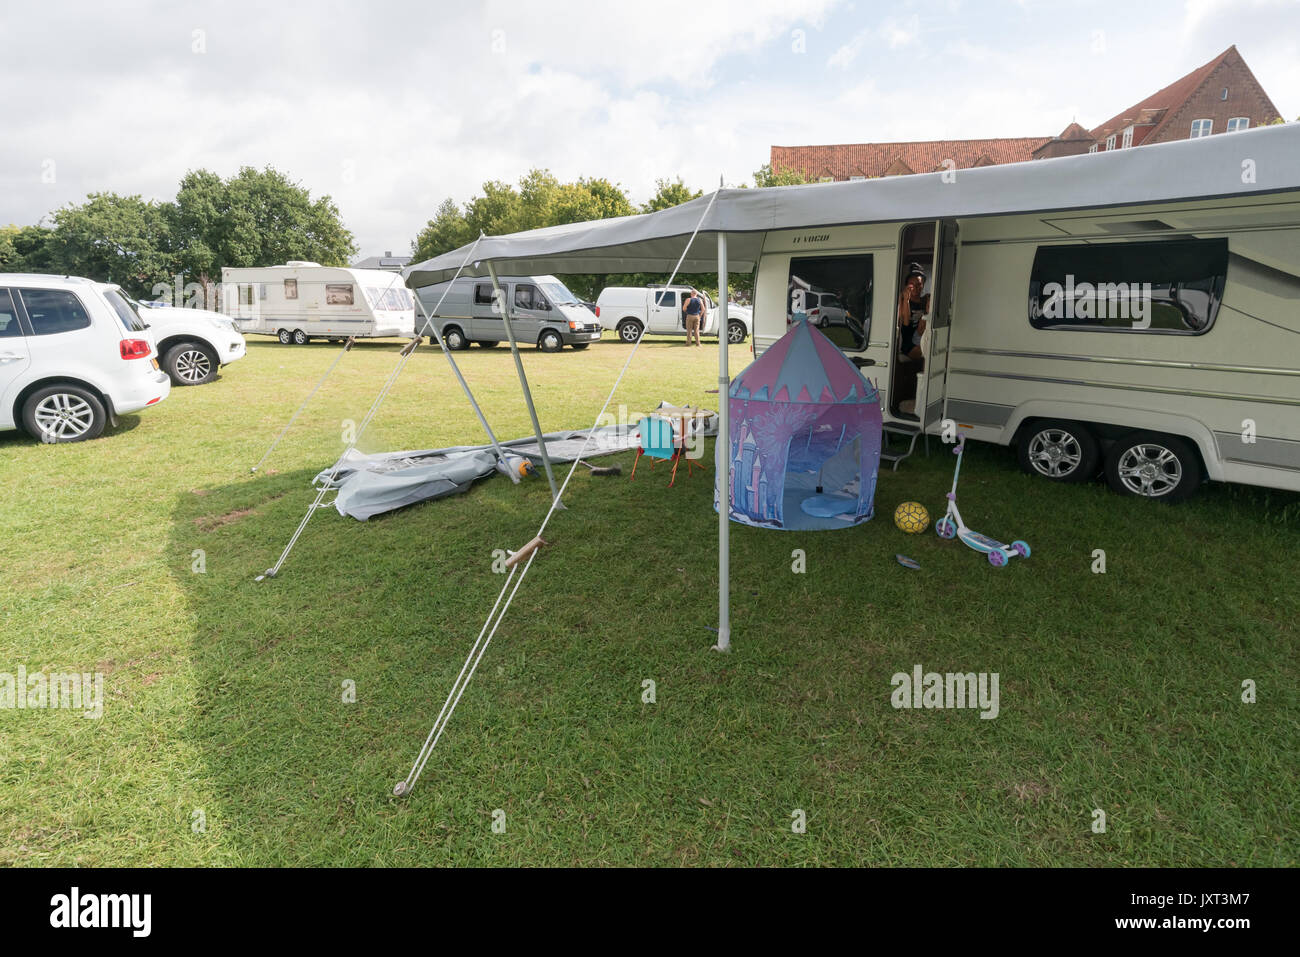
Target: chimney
388	254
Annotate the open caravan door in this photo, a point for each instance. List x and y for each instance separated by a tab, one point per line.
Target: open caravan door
932	392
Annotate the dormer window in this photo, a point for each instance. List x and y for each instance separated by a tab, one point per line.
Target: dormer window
1128	138
1110	142
1092	148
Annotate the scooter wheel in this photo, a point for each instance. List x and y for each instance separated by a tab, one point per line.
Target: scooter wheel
1021	548
945	528
998	558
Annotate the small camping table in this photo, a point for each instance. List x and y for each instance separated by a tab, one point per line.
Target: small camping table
682	414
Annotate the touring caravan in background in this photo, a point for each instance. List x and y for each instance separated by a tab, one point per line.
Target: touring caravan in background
301	301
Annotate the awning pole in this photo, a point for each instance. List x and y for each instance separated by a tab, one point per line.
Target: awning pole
723	454
523	381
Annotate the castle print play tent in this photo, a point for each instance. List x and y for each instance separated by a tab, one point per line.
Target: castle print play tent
805	437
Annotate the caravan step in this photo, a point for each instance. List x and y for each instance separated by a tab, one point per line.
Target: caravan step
909	432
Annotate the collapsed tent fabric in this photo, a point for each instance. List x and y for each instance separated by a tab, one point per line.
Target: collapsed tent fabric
805	437
370	485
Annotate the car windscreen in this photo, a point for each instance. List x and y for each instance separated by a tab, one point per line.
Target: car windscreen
559	294
126	312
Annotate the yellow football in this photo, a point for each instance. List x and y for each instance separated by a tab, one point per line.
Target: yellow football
912	517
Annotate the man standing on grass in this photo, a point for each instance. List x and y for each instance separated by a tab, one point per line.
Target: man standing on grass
694	316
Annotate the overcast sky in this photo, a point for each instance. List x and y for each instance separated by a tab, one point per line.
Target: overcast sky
391	108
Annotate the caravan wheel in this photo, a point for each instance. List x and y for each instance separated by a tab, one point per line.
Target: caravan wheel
1151	465
285	337
300	338
1059	450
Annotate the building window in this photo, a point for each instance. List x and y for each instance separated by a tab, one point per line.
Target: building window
339	294
1224	94
1092	148
291	289
1110	142
1161	287
854	179
1128	138
1238	123
1202	128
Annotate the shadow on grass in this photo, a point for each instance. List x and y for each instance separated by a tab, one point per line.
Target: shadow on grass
1119	691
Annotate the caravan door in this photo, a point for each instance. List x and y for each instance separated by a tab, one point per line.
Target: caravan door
932	393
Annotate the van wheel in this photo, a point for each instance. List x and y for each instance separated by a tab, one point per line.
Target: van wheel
454	339
64	413
550	341
1151	465
300	338
1058	450
189	363
735	332
629	330
285	337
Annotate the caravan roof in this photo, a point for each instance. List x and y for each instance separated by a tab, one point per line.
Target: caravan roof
1249	163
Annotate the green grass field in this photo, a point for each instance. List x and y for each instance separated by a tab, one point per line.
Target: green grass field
225	738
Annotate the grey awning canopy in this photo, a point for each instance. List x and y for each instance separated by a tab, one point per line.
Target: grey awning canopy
1262	160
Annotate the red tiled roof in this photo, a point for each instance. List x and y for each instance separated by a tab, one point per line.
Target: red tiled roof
924	156
1160	106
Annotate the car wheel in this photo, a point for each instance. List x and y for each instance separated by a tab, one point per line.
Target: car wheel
581	345
550	341
285	337
300	338
64	413
629	330
736	332
1151	465
189	363
1058	450
455	339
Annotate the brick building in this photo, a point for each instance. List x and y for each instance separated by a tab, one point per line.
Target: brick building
1220	96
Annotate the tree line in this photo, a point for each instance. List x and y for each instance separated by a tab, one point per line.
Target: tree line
253	218
262	217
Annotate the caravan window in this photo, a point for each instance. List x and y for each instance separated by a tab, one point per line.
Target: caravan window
338	294
1165	287
834	294
291	289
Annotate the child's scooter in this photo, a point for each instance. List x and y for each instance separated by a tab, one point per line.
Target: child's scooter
951	526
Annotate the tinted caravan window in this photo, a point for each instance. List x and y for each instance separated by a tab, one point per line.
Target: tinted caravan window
833	293
1165	287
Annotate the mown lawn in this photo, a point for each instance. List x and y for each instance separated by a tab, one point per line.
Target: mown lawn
226	740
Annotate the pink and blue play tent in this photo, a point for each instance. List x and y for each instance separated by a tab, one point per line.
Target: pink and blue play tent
805	437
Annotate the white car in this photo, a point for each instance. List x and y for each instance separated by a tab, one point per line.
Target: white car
656	310
74	355
192	343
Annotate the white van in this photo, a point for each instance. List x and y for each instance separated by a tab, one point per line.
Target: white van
542	311
301	301
657	311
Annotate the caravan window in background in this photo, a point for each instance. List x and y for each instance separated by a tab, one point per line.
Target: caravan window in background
338	294
834	294
291	289
1169	287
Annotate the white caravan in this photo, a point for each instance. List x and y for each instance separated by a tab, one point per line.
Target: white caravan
1133	309
301	301
1159	342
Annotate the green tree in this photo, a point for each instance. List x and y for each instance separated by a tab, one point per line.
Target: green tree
26	249
669	193
765	176
112	238
254	218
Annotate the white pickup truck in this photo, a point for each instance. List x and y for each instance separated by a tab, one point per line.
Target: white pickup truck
657	311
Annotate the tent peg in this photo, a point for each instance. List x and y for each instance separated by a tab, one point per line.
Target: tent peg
532	546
